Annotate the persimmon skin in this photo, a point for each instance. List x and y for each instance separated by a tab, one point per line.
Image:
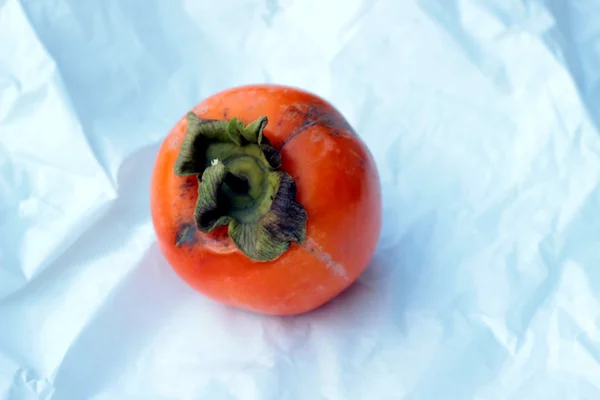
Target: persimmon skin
337	183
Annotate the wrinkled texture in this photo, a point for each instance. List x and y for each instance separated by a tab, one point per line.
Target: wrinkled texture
482	115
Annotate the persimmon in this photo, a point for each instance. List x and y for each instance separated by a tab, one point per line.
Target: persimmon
264	198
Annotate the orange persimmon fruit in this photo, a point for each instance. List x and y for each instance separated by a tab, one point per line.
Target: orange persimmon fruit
265	199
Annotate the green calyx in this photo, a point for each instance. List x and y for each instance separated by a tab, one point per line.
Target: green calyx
241	186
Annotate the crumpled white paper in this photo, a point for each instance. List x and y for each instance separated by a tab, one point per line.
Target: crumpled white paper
483	117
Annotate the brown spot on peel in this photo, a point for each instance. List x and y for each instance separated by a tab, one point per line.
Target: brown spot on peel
314	114
189	184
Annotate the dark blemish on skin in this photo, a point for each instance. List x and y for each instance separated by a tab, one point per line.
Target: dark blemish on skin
221	236
226	112
188	188
189	235
188	184
316	115
309	119
186	235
